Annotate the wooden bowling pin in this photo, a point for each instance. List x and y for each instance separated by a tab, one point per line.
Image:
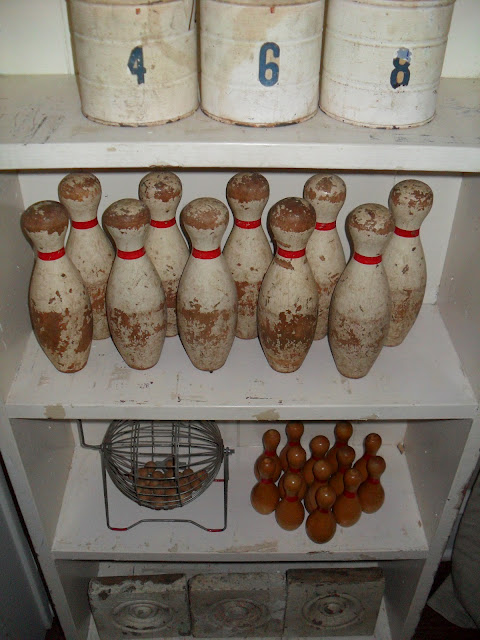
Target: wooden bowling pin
296	458
271	440
361	304
207	296
88	246
165	246
371	493
265	494
371	445
288	299
345	458
290	512
247	250
410	202
321	472
58	301
319	446
294	431
136	306
347	508
321	524
326	193
343	432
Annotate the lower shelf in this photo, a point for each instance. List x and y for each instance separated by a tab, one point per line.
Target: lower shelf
394	532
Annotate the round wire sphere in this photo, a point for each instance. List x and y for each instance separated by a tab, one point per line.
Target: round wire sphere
162	464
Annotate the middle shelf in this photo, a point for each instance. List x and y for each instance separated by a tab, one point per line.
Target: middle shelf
396	531
422	378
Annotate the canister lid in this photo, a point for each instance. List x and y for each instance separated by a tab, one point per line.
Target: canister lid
269	3
132	3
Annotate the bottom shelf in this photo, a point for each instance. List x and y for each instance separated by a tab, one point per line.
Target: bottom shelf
394	532
382	631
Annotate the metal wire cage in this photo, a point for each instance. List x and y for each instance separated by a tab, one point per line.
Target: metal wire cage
162	465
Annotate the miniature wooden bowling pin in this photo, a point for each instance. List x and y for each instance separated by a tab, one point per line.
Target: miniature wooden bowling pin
345	458
294	431
271	440
326	193
410	202
88	246
207	296
319	446
347	508
265	495
371	445
290	512
296	458
165	246
288	299
58	301
321	524
343	432
361	303
136	306
371	493
321	472
247	250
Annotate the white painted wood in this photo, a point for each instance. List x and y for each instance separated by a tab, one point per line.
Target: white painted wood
414	380
459	299
42	126
396	531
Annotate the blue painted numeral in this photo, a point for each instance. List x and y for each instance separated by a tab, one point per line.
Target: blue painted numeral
265	66
135	64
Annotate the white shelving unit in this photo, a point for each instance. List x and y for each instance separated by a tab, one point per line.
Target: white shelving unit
422	397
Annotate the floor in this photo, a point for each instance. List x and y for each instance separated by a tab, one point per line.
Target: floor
432	626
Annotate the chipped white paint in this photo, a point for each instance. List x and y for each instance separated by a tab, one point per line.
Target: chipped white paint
165	246
383	59
207	296
247	250
326	193
361	304
410	202
87	246
260	61
137	62
136	307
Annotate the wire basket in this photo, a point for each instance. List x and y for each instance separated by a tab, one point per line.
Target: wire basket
162	465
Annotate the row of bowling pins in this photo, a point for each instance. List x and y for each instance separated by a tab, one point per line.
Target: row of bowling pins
334	490
219	297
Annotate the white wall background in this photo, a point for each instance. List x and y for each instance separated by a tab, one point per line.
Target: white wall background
35	38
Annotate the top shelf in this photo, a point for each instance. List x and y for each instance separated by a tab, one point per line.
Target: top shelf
42	127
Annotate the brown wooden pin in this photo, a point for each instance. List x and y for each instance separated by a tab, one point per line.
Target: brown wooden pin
343	432
294	431
321	472
318	448
345	458
347	508
371	493
296	458
321	524
265	494
290	513
371	445
271	440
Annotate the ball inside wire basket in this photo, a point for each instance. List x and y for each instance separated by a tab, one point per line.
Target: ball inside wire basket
162	465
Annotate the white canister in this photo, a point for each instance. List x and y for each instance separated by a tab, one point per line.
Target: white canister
260	60
137	62
383	59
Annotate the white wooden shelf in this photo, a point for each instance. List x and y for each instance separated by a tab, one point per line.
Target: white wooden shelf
394	532
422	378
42	127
